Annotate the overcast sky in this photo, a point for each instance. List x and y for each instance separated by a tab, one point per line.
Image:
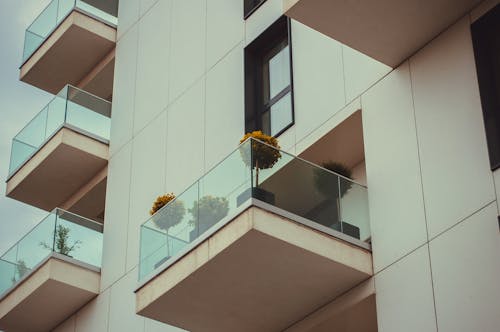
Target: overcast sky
19	103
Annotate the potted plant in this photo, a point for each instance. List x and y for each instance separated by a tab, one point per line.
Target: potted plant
261	155
333	188
327	183
206	212
170	216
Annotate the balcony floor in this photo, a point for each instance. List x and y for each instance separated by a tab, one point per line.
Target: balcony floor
260	272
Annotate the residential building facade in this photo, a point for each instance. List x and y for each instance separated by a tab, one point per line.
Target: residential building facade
155	98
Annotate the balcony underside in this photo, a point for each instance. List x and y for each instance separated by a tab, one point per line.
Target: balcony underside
386	30
77	46
48	295
58	170
260	272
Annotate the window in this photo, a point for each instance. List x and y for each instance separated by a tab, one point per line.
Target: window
486	40
268	81
250	6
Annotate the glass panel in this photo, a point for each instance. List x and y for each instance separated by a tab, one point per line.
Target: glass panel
74	236
34	132
7	275
281	114
64	8
57	11
72	106
279	179
19	153
312	192
31	42
88	112
279	72
104	10
354	210
40	28
55	115
217	195
78	238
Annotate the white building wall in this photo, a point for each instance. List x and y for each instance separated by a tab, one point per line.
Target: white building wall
178	110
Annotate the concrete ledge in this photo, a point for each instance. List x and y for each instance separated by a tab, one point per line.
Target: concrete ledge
48	295
64	164
69	54
260	272
386	30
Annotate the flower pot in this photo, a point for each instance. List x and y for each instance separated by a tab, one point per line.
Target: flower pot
257	193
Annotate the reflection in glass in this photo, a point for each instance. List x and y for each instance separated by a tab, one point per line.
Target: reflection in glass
289	183
281	114
60	232
279	72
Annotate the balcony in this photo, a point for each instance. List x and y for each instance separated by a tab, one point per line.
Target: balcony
72	42
50	273
64	148
388	31
256	244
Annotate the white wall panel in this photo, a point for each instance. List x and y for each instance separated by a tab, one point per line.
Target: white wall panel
185	139
152	84
116	217
404	295
317	76
187	62
455	167
147	180
262	18
466	270
392	166
122	118
128	14
122	316
145	5
225	115
361	72
225	28
94	316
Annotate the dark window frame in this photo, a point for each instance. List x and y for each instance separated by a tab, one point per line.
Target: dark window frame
249	7
486	58
255	53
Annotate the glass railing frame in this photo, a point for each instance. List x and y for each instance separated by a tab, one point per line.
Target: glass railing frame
64	124
252	201
57	212
56	25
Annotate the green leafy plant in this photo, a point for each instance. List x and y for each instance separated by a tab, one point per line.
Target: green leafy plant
171	215
209	210
261	156
327	183
62	244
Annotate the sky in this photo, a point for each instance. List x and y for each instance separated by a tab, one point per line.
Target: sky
19	103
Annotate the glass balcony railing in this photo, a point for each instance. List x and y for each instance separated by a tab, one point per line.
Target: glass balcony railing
254	170
71	107
60	232
57	10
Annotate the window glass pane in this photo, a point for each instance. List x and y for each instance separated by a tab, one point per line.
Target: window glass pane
281	114
279	72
